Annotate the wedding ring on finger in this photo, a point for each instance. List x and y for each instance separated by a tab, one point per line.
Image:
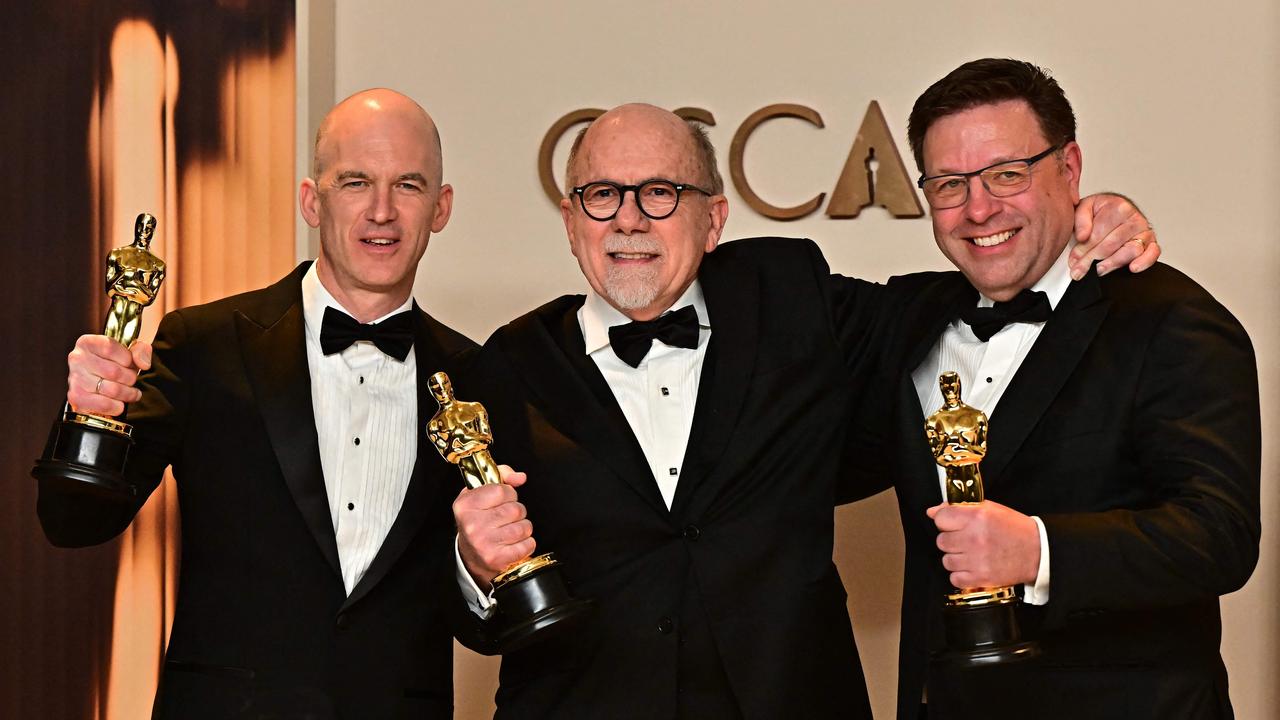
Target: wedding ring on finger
97	388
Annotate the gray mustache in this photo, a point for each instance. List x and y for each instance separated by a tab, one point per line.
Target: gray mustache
619	243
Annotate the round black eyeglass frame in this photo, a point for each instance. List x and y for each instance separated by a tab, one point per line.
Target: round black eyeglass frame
622	196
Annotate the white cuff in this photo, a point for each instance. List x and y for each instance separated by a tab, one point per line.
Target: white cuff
1038	592
478	602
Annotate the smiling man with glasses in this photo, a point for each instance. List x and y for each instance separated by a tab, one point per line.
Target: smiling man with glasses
1123	442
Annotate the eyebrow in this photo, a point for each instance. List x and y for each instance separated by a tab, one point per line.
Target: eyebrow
985	167
362	175
638	182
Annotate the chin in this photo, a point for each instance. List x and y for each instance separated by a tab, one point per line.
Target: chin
630	293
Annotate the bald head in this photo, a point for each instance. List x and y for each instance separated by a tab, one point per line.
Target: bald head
376	197
648	129
375	108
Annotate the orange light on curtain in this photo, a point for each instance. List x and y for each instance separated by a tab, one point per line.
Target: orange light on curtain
130	155
225	225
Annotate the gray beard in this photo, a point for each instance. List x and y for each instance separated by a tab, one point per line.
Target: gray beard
631	288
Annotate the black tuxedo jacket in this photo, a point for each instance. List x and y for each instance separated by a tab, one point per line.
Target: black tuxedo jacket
1132	430
263	627
732	592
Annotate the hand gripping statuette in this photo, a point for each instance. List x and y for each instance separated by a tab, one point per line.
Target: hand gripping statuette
533	601
86	453
980	624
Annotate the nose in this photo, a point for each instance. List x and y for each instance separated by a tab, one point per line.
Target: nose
629	219
382	205
981	204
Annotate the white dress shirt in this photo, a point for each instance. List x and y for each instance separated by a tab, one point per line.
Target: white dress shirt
985	370
366	409
657	397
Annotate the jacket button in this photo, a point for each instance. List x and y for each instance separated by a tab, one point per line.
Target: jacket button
665	626
691	532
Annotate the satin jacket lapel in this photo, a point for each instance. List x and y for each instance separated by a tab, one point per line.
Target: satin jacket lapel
938	307
567	387
921	331
1045	370
733	303
426	483
274	350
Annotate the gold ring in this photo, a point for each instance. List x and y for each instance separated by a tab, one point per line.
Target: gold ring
98	387
1138	239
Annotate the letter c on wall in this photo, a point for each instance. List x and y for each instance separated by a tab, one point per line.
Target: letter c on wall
547	149
736	150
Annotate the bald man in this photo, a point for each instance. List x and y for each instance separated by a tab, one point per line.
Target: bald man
316	532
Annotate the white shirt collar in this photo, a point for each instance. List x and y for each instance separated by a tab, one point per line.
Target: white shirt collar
1053	283
315	298
596	315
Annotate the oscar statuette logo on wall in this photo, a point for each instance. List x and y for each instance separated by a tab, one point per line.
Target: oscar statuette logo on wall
873	173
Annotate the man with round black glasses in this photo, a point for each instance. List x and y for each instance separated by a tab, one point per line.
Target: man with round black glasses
681	427
657	199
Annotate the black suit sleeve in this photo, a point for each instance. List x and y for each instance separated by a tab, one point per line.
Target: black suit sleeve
1197	435
73	520
861	314
469	629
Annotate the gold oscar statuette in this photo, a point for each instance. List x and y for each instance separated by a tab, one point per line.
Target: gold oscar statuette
87	452
532	598
980	624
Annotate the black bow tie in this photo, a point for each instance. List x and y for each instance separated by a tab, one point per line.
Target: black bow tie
393	336
631	342
1027	307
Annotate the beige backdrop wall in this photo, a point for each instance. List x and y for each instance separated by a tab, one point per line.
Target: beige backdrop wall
1177	107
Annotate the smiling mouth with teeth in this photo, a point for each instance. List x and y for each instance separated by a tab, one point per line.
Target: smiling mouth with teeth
992	240
631	256
379	241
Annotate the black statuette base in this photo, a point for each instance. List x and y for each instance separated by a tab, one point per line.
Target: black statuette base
535	608
981	635
84	459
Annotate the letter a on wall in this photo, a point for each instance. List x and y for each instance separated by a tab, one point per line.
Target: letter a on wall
888	185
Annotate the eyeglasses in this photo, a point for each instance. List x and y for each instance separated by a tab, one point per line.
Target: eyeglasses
657	199
1001	180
